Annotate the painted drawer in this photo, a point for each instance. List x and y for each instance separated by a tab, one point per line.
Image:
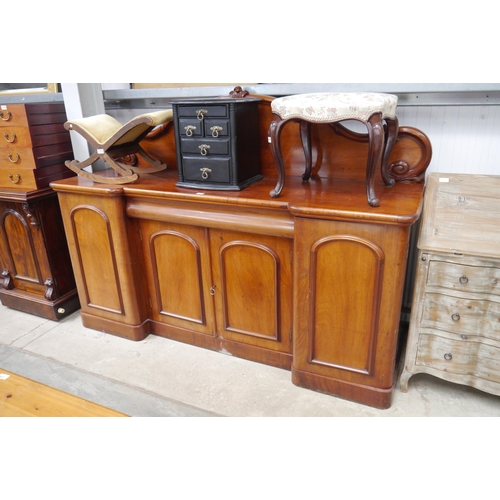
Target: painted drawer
461	316
461	357
475	279
205	146
216	170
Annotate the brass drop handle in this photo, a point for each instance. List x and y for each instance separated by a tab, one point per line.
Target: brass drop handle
200	114
11	177
215	130
9	114
448	356
212	290
463	279
455	317
189	130
12	160
204	149
6	135
205	172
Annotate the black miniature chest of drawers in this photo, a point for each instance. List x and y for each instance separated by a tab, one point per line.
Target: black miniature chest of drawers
217	142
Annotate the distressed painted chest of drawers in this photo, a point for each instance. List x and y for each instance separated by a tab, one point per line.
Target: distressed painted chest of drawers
455	321
217	142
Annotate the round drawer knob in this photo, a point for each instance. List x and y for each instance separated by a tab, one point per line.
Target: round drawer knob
448	356
455	317
463	279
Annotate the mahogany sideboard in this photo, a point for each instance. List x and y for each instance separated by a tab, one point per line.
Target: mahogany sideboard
311	281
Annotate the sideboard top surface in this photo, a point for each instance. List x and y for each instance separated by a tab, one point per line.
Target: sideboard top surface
461	213
335	191
334	199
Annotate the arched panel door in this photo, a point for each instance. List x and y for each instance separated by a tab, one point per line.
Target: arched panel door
348	281
18	252
345	276
254	294
179	276
97	259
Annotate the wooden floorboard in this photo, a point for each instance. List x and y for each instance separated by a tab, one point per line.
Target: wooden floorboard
22	397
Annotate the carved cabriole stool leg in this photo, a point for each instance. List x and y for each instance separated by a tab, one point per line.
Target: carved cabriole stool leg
305	137
375	149
275	143
390	139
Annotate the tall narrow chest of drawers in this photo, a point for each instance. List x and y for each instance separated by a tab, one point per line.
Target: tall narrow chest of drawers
455	321
36	275
33	145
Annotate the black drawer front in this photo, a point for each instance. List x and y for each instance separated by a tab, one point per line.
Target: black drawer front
194	111
218	169
216	128
208	145
191	128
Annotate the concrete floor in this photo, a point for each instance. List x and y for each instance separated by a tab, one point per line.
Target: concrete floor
160	377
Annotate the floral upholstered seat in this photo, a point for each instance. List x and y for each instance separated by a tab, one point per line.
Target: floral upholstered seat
329	107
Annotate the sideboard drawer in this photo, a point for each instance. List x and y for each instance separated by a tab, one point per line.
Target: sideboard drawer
474	279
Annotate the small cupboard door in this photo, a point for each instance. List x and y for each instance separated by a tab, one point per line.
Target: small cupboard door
253	295
179	277
22	250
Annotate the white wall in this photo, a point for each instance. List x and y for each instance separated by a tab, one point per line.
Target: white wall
465	139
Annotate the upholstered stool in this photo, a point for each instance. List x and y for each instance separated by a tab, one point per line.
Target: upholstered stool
113	141
330	107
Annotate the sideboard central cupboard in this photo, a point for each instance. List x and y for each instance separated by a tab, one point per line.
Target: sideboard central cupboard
311	281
